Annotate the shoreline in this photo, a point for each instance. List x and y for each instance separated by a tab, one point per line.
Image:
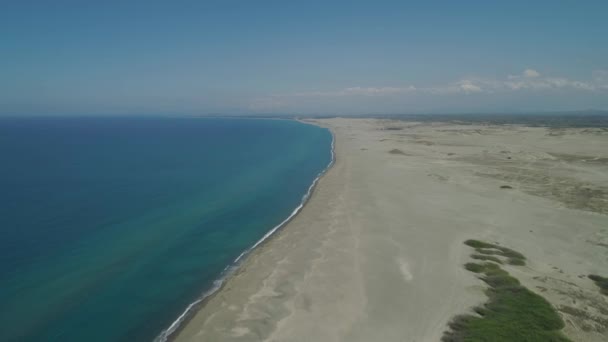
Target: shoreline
172	331
377	253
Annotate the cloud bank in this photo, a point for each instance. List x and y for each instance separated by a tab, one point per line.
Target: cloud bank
528	81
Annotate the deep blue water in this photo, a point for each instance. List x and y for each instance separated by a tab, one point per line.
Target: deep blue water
110	227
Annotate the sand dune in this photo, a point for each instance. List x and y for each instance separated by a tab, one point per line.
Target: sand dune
377	253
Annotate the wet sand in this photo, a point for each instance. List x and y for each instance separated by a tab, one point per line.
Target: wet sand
376	254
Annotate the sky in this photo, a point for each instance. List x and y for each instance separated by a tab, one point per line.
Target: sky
301	57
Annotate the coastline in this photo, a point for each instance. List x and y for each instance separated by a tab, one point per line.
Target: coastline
172	331
377	252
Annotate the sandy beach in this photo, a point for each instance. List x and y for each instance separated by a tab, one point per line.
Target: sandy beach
377	252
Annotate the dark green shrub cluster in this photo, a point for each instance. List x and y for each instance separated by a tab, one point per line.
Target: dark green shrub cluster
485	248
486	258
512	313
600	281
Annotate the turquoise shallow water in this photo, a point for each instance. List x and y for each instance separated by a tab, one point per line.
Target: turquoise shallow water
110	227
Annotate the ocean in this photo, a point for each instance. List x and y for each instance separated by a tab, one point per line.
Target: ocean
111	227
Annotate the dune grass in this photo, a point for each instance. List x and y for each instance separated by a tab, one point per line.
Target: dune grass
484	257
516	262
485	248
601	282
512	313
396	151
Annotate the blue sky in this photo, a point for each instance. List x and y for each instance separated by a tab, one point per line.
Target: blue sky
351	57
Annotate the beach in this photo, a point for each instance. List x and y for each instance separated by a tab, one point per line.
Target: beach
377	252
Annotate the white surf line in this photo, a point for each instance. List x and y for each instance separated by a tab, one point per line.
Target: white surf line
217	284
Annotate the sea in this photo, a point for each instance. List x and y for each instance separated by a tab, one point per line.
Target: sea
113	229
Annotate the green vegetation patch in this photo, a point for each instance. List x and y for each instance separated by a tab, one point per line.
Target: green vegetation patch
513	257
516	262
512	313
397	151
479	244
488	251
601	282
486	258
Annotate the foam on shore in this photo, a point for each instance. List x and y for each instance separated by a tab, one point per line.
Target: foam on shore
166	334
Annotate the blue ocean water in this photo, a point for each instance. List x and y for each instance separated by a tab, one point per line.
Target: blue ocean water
110	227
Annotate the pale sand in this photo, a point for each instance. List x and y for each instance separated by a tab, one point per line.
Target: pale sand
377	253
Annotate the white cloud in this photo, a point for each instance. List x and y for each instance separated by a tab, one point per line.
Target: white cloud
358	91
468	86
544	83
531	73
371	91
528	80
600	78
